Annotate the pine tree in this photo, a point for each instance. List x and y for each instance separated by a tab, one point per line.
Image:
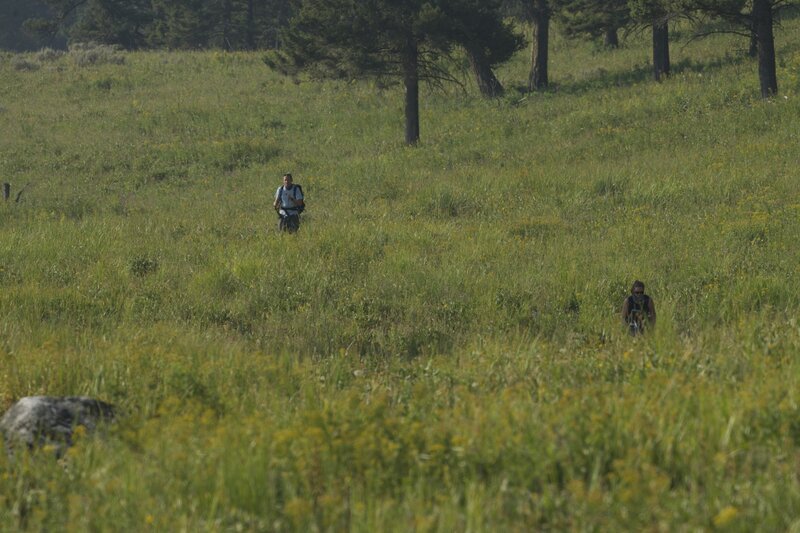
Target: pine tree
656	14
120	22
488	40
179	24
536	13
756	20
398	40
593	18
24	25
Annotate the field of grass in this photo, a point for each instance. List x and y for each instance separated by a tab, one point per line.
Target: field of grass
439	347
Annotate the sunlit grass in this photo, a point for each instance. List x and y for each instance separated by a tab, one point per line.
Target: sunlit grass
439	348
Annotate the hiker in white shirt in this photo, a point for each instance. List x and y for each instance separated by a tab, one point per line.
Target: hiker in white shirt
289	204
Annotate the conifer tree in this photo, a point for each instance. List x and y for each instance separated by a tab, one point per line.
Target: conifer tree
488	40
754	19
187	24
179	24
656	14
593	18
24	25
119	22
536	13
393	40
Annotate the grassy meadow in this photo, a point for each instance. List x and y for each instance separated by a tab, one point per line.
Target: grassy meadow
439	348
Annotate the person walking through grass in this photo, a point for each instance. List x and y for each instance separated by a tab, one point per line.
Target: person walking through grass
289	204
638	311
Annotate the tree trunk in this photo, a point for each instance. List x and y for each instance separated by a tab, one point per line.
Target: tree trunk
488	83
611	39
752	50
226	25
250	36
660	49
762	25
282	15
538	76
411	82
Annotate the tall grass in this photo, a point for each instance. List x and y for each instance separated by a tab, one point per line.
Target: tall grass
439	348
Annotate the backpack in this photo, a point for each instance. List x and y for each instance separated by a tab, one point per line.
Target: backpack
298	208
638	309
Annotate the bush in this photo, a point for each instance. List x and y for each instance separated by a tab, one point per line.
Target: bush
141	266
87	54
48	55
23	63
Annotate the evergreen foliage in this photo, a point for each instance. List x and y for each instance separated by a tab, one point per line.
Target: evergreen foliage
488	40
177	24
120	22
537	14
592	18
14	35
755	18
391	40
656	14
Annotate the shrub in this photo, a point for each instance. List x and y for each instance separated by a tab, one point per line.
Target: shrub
142	266
87	54
48	55
23	63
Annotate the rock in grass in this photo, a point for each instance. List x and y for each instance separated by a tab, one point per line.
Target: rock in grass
42	420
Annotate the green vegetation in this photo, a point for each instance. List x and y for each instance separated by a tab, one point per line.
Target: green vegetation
438	348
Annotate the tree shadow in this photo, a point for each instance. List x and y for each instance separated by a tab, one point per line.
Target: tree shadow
601	78
789	12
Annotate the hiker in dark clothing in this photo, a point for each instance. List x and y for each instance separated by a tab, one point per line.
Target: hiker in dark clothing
638	311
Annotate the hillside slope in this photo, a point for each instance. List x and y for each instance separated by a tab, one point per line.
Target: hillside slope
439	347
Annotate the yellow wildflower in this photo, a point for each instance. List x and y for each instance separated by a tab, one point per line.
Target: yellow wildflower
725	516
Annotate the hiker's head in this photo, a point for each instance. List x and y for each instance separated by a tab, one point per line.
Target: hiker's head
287	181
637	287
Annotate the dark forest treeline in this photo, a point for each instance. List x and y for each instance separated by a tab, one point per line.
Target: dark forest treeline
13	36
400	39
137	24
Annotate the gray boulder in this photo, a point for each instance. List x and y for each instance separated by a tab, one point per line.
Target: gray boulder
39	420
